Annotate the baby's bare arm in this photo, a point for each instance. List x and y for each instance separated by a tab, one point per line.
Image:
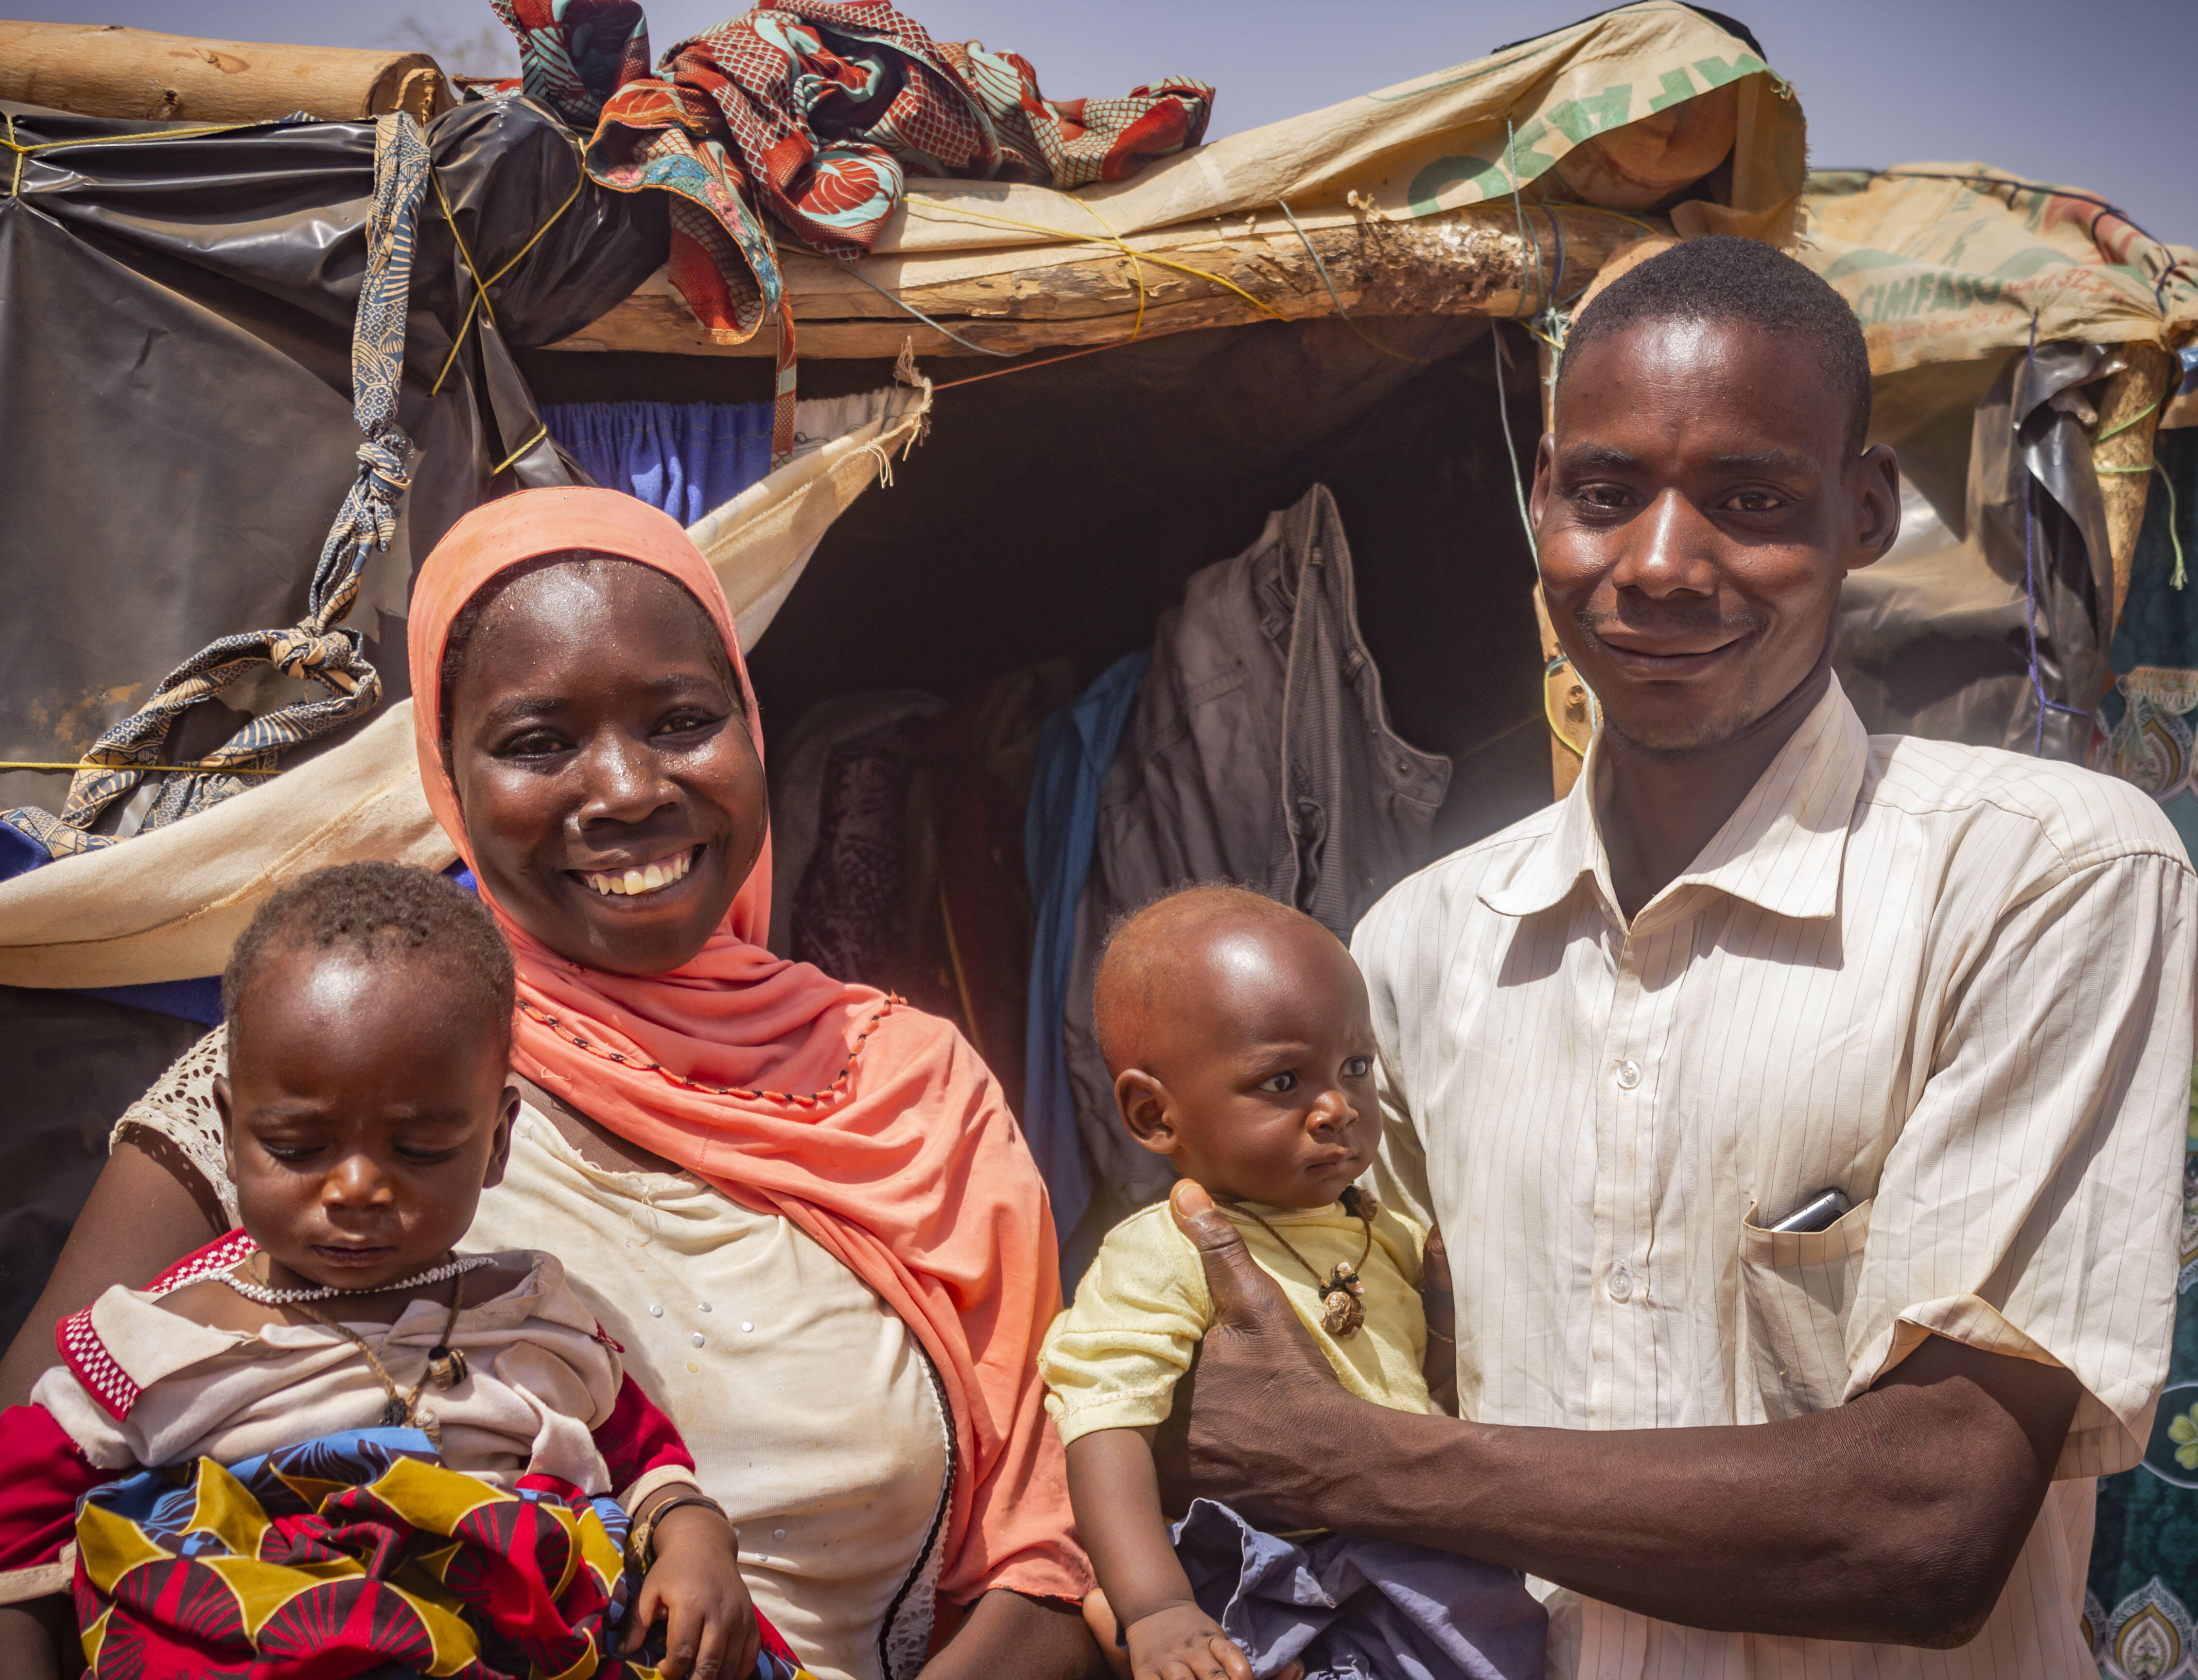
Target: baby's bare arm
1117	1496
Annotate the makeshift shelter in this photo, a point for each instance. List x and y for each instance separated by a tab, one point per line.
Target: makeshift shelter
1306	302
1113	390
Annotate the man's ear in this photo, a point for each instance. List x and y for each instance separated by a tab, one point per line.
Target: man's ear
1545	454
499	1153
225	1106
1877	497
1143	1102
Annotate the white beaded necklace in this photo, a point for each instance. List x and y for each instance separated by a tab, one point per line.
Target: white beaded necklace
266	1296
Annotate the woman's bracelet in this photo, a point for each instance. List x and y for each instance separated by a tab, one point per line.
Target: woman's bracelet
641	1542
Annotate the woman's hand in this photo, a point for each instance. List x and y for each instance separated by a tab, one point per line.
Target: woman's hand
696	1586
1183	1642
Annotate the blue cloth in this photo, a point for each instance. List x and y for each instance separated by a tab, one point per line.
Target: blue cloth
1356	1609
684	458
1075	746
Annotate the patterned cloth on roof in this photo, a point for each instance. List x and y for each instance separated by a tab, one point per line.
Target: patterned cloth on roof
815	112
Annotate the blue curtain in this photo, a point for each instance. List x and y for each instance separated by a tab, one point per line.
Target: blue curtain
1075	748
685	458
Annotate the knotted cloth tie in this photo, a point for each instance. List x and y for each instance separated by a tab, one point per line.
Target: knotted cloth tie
315	649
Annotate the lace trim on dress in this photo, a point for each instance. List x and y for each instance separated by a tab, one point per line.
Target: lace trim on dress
179	1111
904	1639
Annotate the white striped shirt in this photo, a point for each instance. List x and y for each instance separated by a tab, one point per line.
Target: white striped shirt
1952	982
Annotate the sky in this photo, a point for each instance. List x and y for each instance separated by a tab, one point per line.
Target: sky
2101	97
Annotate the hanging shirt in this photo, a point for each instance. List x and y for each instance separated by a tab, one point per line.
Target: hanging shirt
1950	981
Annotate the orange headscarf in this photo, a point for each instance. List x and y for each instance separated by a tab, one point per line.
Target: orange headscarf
872	1127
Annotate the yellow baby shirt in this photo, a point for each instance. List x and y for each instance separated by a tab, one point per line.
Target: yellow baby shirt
1111	1360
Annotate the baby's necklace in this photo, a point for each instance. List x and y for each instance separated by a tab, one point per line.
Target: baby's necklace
446	1364
1342	1295
253	1290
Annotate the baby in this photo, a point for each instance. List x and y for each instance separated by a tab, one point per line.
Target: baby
330	1431
1241	1044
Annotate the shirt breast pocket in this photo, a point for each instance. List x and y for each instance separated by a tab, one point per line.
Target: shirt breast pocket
1797	1290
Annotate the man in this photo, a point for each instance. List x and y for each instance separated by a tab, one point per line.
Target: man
1757	955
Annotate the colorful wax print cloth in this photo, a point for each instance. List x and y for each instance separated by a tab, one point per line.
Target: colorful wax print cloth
354	1554
814	113
2142	1611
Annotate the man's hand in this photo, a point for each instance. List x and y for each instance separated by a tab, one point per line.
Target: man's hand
1258	1391
695	1585
1893	1519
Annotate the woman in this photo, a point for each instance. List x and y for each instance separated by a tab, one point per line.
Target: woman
802	1208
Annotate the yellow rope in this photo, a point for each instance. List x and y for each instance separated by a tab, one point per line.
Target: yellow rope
1549	710
22	151
1135	256
102	764
540	432
481	293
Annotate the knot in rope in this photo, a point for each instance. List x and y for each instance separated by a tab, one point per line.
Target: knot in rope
297	653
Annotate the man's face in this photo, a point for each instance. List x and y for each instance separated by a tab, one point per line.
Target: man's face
1696	506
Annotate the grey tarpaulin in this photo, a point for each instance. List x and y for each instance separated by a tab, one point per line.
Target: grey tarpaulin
176	317
176	323
1936	638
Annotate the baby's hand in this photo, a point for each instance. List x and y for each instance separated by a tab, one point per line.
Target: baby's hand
695	1585
1183	1642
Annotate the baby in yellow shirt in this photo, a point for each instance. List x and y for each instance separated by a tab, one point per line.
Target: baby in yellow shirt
1241	1044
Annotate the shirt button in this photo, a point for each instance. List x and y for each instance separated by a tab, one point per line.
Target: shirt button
696	1339
1620	1283
656	1309
1628	1074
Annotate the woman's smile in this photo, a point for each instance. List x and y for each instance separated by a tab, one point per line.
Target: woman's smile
642	880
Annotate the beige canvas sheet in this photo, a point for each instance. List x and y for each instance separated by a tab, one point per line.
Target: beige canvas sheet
1944	270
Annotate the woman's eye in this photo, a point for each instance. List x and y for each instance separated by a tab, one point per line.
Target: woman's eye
685	723
1281	1083
534	744
1358	1067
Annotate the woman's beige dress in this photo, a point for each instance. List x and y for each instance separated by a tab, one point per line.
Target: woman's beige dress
812	1414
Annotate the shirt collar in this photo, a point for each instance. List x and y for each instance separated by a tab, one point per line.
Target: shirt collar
1780	850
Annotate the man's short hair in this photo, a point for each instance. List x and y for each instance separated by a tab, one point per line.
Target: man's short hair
1722	277
382	910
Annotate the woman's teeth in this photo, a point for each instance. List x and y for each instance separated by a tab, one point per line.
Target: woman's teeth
631	883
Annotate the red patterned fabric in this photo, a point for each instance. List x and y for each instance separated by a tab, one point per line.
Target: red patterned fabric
812	112
84	1354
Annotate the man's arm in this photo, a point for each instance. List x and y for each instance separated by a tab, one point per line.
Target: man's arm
1893	1519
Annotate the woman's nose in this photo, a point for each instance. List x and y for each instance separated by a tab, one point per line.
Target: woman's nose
625	780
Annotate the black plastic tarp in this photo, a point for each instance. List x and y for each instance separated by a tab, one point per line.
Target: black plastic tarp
176	315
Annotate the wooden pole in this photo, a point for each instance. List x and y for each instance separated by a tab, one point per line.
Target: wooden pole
104	70
1038	296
